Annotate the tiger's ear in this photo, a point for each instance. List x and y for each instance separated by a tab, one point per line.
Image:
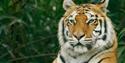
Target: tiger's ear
67	4
103	4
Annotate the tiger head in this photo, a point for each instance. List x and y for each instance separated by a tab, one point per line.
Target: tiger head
84	27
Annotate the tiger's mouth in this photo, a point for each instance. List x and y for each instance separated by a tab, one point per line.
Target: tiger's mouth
78	44
80	47
88	46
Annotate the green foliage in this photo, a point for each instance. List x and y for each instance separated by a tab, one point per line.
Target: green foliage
28	29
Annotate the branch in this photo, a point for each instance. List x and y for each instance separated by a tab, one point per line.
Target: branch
34	56
9	50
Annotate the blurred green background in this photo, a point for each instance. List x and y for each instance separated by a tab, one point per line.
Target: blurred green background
28	29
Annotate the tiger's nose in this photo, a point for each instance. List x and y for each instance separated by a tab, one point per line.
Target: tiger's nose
79	36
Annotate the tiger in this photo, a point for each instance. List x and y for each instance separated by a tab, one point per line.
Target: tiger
86	34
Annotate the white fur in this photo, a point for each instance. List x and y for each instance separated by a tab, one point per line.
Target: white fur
81	53
67	49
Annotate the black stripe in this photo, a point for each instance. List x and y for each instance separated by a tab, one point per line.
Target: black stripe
102	1
102	59
62	59
63	31
105	30
104	37
98	31
88	46
101	26
105	25
98	1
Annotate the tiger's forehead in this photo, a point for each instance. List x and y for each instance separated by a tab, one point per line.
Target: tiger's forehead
83	9
90	11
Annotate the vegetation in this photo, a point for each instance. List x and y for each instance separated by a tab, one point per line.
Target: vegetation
28	29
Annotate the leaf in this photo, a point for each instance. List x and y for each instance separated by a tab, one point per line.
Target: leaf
121	34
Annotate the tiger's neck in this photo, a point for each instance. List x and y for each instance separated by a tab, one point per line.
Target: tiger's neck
68	56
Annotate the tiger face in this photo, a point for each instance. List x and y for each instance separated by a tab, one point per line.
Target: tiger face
86	34
84	28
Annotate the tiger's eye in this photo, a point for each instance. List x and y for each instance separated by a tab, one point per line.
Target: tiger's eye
71	20
90	21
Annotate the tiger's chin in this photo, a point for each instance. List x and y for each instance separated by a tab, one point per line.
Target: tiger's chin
80	49
77	49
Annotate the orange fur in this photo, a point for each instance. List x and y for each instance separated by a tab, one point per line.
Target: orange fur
81	28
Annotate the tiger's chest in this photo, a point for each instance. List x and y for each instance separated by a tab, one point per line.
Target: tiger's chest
80	59
89	57
76	60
